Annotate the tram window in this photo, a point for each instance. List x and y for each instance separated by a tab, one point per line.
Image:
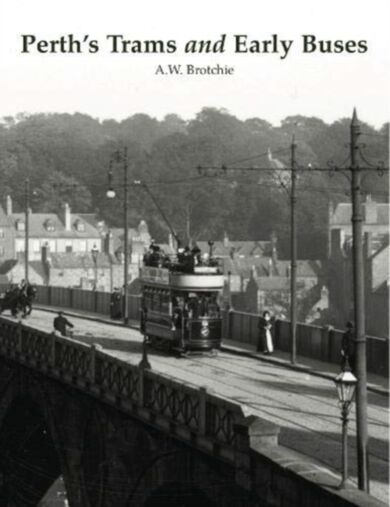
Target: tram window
165	302
203	305
156	302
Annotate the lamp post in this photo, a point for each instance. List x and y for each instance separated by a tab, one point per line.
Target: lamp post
94	253
346	385
111	194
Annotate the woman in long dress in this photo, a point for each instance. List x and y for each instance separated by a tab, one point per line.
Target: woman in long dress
265	343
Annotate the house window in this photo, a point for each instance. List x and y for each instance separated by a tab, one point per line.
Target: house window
80	226
49	225
19	245
36	246
20	225
68	247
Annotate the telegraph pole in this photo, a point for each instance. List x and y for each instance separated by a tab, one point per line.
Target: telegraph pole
111	194
359	310
293	247
126	237
26	227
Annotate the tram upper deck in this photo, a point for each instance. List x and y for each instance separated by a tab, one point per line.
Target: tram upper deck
200	279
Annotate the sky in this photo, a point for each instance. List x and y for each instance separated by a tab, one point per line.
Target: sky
106	85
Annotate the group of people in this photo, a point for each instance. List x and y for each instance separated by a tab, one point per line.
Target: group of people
19	298
194	307
187	258
265	342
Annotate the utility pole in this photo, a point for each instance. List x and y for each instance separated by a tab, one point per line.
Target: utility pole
111	194
126	237
359	309
293	270
26	227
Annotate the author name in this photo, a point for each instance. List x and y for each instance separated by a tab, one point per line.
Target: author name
194	70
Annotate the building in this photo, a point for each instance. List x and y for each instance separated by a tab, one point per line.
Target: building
376	286
60	233
228	248
375	222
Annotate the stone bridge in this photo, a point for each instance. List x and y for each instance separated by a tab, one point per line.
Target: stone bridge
121	435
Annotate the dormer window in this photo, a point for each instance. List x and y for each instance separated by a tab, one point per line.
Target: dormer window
79	226
20	225
49	225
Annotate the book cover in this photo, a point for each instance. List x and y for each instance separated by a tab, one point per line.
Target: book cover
210	106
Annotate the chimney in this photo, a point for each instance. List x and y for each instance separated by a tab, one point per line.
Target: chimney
225	240
170	241
371	212
274	252
108	243
67	216
8	205
336	242
270	267
330	222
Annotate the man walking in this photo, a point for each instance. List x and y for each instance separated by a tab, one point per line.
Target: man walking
61	324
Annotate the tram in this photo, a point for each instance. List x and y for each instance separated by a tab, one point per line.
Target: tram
179	309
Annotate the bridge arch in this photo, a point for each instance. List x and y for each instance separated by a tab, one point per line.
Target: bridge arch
178	495
29	462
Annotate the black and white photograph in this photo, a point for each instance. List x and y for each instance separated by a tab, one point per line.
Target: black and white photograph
194	253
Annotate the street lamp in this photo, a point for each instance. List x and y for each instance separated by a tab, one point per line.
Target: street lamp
346	385
111	194
94	253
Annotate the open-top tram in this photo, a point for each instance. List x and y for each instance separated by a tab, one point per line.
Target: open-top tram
180	309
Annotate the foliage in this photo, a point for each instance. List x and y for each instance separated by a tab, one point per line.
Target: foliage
66	157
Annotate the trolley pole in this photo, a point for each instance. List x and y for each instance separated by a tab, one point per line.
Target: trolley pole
126	238
359	310
293	247
26	227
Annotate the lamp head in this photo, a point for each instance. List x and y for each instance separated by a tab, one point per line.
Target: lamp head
111	194
346	385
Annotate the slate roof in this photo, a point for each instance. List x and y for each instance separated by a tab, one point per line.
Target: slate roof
343	212
37	226
4	219
118	236
69	260
239	248
263	265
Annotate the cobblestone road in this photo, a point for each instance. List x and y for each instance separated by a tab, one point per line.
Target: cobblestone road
303	405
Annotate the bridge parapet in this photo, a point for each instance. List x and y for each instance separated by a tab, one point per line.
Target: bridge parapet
184	411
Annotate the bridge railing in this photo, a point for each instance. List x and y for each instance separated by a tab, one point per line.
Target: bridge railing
183	409
322	343
84	300
315	342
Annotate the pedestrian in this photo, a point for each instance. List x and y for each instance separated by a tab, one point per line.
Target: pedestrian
115	304
61	324
265	344
348	356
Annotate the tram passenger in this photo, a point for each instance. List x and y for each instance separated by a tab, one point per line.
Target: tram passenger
193	307
196	253
155	255
188	260
213	308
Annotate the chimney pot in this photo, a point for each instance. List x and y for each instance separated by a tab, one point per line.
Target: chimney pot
9	205
67	216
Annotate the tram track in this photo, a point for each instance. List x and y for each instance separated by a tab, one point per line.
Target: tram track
309	422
